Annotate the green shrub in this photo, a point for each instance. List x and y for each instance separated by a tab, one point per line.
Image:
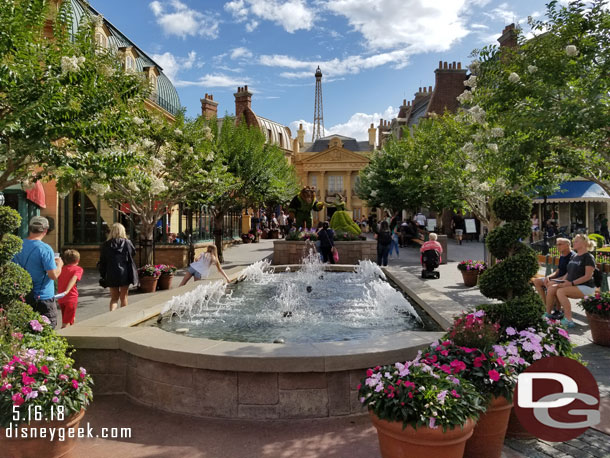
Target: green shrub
520	313
510	278
9	220
512	207
342	221
15	282
599	239
501	242
9	245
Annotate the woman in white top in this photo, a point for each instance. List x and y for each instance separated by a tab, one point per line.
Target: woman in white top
201	267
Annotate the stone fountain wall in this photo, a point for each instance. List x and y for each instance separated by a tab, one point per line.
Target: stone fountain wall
291	252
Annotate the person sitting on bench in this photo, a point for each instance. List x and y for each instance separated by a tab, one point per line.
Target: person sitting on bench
545	286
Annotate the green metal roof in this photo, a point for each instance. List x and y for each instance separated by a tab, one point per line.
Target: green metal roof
166	95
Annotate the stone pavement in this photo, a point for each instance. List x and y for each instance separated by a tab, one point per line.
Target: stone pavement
157	434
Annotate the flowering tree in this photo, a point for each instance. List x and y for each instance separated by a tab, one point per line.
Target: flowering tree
61	98
168	161
551	95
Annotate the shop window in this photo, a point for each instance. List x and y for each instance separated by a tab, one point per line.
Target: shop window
87	225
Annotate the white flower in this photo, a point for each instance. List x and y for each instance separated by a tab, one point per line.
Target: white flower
100	189
71	64
532	68
207	133
477	113
177	131
147	143
374	193
157	186
484	187
157	164
465	97
139	121
497	132
471	168
210	156
474	66
471	82
571	50
190	150
102	175
133	186
468	148
493	147
107	70
63	194
513	78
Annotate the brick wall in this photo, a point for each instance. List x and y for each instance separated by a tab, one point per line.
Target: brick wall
449	84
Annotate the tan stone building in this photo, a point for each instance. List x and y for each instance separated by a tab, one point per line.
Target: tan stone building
332	165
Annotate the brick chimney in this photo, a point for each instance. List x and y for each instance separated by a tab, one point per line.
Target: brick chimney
449	83
301	136
243	102
209	108
509	37
384	132
372	136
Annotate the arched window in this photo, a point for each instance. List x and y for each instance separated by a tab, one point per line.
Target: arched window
130	63
100	40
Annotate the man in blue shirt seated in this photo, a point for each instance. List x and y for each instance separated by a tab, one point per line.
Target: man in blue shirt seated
546	287
39	260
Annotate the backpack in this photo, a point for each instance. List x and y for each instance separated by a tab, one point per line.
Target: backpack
384	238
597	277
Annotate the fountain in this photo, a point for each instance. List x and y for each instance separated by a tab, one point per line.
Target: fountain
284	342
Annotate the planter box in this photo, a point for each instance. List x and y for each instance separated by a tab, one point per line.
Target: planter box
291	252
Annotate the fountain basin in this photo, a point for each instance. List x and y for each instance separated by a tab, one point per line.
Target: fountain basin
203	377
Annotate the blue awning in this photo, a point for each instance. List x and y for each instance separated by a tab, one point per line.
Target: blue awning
577	191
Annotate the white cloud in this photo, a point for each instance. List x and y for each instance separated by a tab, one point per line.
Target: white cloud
357	126
292	15
215	80
335	67
172	65
176	18
502	13
479	26
420	26
241	53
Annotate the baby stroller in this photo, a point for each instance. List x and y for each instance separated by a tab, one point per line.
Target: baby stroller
430	260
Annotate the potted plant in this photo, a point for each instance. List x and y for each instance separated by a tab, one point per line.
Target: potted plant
419	410
597	308
167	274
149	275
247	238
39	387
472	352
471	270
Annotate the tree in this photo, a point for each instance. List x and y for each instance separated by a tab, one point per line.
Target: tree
552	94
62	99
254	173
169	161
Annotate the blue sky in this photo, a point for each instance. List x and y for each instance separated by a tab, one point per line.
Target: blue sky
373	53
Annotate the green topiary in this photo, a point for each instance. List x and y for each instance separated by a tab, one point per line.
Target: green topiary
15	282
512	207
343	222
508	280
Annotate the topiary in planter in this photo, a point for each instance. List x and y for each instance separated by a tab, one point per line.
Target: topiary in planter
15	282
508	280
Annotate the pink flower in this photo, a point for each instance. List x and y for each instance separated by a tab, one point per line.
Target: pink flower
35	325
17	335
563	333
45	319
55	399
432	423
17	399
369	372
63	377
75	384
45	370
26	390
455	394
26	380
457	366
32	369
5	386
494	375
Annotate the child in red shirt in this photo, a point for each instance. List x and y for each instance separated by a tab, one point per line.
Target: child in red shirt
66	284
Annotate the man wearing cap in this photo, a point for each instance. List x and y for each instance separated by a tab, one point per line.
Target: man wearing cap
38	259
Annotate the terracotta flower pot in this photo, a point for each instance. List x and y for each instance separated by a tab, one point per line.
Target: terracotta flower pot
423	442
600	329
165	281
471	277
17	447
148	284
488	437
516	429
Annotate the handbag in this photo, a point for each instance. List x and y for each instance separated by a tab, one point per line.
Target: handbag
335	254
102	282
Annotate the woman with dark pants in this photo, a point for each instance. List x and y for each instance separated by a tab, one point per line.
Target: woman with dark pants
117	266
384	242
326	237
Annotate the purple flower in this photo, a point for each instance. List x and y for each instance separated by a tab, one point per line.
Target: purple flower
441	397
432	423
55	399
45	319
35	325
510	331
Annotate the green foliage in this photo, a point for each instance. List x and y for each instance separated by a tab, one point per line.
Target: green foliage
512	207
15	282
599	239
501	243
63	101
342	221
520	313
598	304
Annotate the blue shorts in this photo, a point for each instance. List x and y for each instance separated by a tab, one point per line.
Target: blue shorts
194	273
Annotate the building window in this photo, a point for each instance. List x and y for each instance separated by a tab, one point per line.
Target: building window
313	180
281	139
356	182
269	137
335	183
84	220
101	40
357	212
153	83
130	64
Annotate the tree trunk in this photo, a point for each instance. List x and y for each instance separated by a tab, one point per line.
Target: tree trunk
218	224
146	243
